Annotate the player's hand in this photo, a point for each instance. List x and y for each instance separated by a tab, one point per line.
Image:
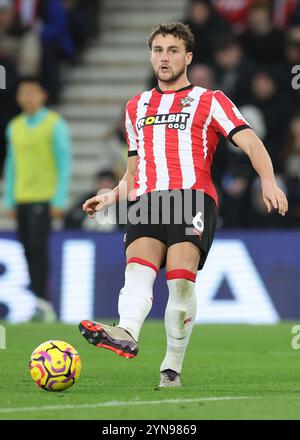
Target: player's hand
98	203
56	213
274	198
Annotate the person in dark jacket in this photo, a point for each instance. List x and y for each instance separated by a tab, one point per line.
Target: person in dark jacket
57	44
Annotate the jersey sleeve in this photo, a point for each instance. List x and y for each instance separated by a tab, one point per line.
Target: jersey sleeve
63	159
131	137
226	118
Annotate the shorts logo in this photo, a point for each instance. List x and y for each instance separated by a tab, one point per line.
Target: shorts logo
177	121
186	102
125	238
198	224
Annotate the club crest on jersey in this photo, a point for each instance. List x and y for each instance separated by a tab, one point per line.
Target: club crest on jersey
176	121
186	102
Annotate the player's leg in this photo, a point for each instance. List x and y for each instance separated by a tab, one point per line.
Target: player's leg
181	268
145	251
39	231
23	227
188	246
144	257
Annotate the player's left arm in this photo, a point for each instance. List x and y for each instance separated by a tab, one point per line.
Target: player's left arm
250	143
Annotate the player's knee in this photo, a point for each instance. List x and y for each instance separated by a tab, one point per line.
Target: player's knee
183	255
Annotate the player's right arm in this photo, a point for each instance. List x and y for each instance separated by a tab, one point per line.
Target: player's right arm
120	192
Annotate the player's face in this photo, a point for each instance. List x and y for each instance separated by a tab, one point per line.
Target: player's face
31	97
169	58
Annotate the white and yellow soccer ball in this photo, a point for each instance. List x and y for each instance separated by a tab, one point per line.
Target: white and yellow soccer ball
55	365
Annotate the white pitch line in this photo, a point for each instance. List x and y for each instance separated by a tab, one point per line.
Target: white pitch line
119	403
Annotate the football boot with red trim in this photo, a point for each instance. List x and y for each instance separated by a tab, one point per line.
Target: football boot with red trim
113	338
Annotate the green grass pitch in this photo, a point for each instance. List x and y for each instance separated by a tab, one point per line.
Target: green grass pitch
222	361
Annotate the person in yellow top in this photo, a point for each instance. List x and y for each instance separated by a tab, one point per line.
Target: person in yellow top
36	179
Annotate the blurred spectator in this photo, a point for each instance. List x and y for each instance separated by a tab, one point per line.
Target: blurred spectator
36	180
291	157
76	218
234	175
19	40
57	44
39	35
8	105
292	57
234	209
273	103
117	149
286	12
234	11
292	45
261	40
78	22
83	20
202	75
233	71
206	26
255	117
27	12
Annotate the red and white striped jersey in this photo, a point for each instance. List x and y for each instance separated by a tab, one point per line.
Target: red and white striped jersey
175	135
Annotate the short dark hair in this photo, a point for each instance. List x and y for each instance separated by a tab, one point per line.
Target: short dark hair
179	30
33	79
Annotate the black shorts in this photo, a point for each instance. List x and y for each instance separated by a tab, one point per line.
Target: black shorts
173	216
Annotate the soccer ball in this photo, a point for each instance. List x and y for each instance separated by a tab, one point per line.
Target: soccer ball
55	365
